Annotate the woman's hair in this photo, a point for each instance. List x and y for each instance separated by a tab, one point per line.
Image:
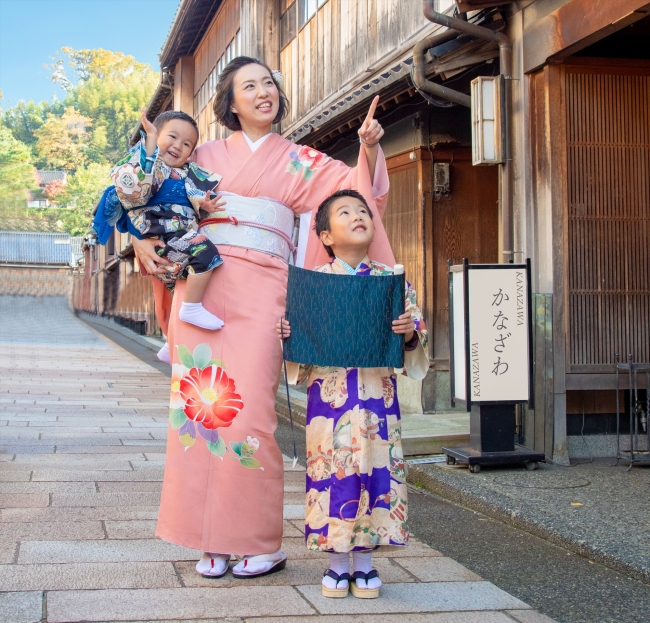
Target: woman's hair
225	93
322	219
166	117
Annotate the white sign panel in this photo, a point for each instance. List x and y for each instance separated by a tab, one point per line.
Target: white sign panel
498	334
458	337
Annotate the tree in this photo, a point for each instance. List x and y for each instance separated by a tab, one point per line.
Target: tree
17	173
62	142
81	194
25	118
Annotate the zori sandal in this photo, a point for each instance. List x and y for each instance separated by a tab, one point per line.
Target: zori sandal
258	566
364	593
339	592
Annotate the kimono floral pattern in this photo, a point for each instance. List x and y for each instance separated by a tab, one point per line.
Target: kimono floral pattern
203	400
307	160
356	480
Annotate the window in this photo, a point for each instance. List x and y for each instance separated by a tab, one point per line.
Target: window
238	39
306	10
288	25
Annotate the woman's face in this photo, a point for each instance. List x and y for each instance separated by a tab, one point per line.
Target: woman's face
256	99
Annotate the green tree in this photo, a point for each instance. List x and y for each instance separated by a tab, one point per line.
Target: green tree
78	198
62	142
25	118
17	173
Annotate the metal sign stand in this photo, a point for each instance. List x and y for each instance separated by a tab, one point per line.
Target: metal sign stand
490	396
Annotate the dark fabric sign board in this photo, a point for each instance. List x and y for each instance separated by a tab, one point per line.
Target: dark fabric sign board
344	320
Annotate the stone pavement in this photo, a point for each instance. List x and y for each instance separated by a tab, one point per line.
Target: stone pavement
82	440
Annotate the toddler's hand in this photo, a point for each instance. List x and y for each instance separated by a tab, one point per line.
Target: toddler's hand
147	126
404	325
212	205
285	328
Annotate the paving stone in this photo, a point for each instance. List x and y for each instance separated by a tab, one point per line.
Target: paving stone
16	476
119	474
7	552
78	461
418	597
24	607
437	569
106	499
529	616
145	529
88	576
24	500
439	617
186	603
103	551
129	487
47	487
296	572
294	511
289	530
108	513
46	531
116	448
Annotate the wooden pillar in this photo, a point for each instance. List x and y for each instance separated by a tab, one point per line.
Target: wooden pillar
260	30
184	85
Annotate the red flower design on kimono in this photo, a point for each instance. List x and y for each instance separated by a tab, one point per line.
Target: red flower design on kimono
210	397
311	158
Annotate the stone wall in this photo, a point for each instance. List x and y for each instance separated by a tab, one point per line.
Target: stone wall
36	281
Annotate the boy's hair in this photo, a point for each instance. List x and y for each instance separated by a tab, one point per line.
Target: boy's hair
165	117
322	220
225	93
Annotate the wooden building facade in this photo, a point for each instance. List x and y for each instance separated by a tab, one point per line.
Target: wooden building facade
579	148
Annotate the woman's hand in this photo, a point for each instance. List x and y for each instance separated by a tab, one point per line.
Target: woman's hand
153	263
285	328
404	325
212	205
371	131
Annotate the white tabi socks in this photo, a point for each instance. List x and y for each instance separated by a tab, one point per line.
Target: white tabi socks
362	561
196	314
339	563
213	565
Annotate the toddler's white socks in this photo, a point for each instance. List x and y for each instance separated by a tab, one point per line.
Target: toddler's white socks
362	561
339	563
196	314
163	354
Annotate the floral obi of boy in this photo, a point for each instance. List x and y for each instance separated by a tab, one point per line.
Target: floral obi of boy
256	223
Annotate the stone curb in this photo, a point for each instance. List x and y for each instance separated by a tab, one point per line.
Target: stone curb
95	319
438	486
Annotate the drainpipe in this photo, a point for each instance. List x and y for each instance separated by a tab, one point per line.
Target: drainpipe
505	61
433	88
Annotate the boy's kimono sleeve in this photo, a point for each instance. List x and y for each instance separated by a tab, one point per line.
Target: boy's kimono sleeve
416	361
137	176
199	182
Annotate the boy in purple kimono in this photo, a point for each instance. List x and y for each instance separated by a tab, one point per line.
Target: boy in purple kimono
356	482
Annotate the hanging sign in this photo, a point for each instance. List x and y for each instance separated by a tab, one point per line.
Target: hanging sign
490	333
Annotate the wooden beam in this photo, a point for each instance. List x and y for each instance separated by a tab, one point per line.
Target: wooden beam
576	25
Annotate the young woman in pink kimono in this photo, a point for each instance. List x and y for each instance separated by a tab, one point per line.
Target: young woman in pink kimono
223	484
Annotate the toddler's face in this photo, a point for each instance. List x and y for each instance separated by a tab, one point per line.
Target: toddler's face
350	225
176	142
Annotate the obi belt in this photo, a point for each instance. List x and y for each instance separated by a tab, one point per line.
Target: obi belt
256	223
110	213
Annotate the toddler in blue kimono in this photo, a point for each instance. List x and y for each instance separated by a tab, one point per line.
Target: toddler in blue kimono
356	481
159	194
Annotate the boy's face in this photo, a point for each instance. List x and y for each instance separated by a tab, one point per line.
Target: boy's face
176	142
351	227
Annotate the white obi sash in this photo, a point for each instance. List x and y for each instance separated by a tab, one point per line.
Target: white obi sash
256	223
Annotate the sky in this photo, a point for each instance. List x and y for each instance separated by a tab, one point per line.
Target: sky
32	31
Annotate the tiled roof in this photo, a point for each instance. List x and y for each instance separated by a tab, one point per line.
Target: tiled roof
26	247
47	177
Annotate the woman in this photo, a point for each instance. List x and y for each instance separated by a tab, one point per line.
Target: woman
223	484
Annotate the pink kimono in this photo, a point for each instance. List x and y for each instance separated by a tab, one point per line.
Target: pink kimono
223	485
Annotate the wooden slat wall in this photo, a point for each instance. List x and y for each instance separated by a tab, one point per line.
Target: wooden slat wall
339	43
608	173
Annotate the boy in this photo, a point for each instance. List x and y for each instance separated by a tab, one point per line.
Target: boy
356	487
161	192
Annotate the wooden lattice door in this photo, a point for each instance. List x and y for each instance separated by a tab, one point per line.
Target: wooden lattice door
608	217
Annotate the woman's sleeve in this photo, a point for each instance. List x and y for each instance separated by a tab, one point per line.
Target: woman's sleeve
297	372
320	177
416	360
135	176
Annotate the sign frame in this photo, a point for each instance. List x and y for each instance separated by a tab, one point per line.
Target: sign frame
459	353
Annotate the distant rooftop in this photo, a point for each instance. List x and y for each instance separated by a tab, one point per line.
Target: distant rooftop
47	177
37	248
